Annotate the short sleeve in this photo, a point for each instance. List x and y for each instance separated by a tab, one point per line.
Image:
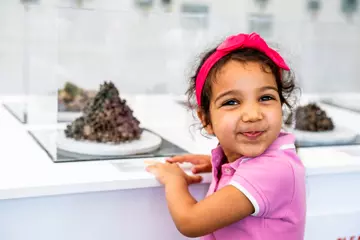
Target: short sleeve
267	181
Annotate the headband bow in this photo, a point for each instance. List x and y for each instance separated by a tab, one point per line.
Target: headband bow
230	44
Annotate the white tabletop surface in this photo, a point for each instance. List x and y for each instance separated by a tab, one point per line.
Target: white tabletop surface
27	171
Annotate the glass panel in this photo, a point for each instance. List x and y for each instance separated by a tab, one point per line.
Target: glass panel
28	61
261	24
144	57
331	58
313	6
194	16
328	70
349	6
42	66
13	86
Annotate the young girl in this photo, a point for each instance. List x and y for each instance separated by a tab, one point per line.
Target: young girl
258	185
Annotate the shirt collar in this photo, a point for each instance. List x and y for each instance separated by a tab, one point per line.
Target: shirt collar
285	140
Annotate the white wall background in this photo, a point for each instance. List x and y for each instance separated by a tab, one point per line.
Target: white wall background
151	52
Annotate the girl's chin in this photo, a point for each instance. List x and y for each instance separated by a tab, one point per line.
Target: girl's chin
253	151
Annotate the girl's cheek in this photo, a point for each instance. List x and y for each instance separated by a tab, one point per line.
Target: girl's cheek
275	114
224	121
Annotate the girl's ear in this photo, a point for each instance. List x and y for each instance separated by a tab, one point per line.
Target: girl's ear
208	127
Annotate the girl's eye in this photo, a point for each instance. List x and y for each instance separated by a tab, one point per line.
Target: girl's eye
266	98
230	102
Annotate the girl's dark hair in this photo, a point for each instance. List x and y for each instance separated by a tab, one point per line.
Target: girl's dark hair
285	80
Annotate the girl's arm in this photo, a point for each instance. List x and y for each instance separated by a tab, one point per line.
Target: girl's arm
194	219
259	187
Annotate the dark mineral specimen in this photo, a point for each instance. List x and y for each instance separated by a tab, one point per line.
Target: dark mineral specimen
72	98
312	118
106	119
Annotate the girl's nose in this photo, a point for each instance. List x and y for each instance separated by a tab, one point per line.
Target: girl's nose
251	113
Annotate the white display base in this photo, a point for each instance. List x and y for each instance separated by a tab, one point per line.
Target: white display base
68	116
148	142
340	135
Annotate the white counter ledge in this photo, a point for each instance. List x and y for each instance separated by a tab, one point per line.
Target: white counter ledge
27	171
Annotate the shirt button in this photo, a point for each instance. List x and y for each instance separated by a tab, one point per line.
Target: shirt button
227	170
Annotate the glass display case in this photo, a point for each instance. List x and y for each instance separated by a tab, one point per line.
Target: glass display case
28	63
116	72
328	72
111	82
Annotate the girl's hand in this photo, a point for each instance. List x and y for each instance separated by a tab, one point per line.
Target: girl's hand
202	163
171	173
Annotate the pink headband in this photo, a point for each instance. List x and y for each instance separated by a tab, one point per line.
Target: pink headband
232	43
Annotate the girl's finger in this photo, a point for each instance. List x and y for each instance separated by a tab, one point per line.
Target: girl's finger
150	162
194	179
152	168
201	168
191	158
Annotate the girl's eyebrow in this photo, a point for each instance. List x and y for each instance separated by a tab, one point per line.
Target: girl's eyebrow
262	89
229	92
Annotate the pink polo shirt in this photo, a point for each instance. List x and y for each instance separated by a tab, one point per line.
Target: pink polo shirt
274	182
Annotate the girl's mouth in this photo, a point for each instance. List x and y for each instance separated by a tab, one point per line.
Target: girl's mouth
253	134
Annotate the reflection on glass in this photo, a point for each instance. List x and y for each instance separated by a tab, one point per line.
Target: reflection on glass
262	3
194	16
144	4
30	1
313	5
349	7
166	2
261	23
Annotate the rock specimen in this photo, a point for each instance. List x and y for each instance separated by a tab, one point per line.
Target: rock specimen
72	98
106	119
311	118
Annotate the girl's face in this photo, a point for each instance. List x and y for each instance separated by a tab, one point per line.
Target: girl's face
245	109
